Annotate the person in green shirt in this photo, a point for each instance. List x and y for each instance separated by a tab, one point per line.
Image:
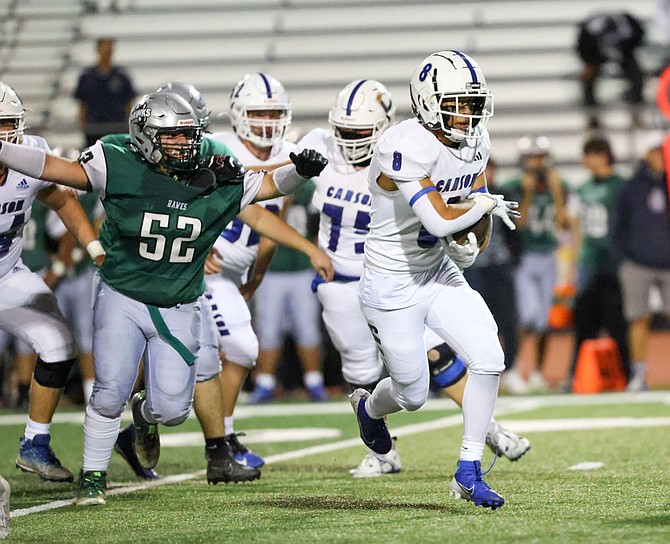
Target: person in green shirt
165	206
541	195
598	301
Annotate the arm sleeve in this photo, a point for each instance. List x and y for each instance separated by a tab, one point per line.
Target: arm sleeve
252	184
94	164
428	215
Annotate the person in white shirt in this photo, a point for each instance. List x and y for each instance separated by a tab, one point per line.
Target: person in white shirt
426	181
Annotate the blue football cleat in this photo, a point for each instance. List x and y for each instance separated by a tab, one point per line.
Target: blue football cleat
242	454
36	456
374	433
318	393
125	447
468	484
261	395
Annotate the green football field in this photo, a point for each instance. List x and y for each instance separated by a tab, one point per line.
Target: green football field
307	495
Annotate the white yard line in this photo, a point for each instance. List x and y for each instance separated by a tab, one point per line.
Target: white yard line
433	405
507	405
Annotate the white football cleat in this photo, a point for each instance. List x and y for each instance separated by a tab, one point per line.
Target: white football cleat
376	464
504	442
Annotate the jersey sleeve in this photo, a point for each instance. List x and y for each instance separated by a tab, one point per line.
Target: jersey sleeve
252	184
94	164
404	158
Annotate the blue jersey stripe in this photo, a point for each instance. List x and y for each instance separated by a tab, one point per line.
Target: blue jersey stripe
467	62
353	93
268	89
422	192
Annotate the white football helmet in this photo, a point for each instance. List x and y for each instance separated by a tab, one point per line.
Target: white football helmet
11	108
361	112
166	113
455	77
192	95
260	92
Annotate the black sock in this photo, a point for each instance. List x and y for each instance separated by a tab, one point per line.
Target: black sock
216	447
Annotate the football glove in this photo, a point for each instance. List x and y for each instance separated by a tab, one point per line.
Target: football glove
497	205
463	255
215	171
309	163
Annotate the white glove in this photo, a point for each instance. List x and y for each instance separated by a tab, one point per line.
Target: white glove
497	205
463	255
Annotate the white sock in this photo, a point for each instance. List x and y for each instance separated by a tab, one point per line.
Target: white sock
33	428
100	434
479	401
228	425
381	402
87	386
313	378
266	381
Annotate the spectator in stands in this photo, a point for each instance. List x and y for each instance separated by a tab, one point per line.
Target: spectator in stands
541	194
598	302
492	275
105	93
641	238
610	38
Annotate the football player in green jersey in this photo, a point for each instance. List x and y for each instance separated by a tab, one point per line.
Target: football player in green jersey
165	206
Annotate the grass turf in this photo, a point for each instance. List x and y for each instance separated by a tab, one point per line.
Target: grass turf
313	499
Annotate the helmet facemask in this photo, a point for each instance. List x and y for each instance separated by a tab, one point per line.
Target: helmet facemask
357	142
448	108
263	131
14	134
179	154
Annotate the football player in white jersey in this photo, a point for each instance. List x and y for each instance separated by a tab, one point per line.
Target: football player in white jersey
28	308
260	113
426	181
361	112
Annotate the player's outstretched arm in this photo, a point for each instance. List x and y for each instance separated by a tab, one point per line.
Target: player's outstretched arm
37	163
67	206
288	179
269	225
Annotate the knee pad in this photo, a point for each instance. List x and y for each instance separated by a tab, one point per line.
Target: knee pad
53	375
490	359
107	403
411	397
241	348
446	368
174	419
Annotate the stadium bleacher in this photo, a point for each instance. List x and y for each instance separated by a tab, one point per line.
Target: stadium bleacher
314	47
